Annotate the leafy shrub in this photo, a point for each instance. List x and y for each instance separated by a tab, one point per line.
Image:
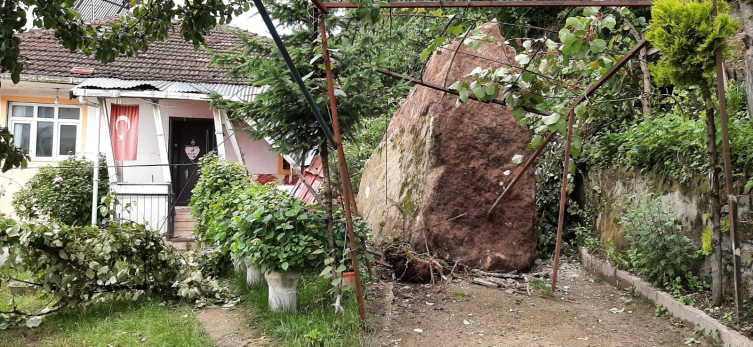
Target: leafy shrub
216	197
584	238
76	266
655	247
279	233
62	194
671	145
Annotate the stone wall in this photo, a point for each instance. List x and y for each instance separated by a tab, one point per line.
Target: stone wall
690	201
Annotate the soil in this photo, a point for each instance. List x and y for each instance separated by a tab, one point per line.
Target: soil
228	327
585	312
725	313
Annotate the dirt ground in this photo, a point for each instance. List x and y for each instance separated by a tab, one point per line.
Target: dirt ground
229	327
587	312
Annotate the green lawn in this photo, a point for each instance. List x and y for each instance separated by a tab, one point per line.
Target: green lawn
315	323
120	324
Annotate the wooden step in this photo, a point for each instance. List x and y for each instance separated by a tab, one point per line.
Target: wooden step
183	244
183	233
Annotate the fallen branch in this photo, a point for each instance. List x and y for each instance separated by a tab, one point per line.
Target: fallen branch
511	275
484	283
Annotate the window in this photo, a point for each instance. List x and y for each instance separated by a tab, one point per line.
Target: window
46	131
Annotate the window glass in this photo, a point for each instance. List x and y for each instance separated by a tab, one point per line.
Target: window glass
68	113
44	139
46	112
67	139
22	136
22	111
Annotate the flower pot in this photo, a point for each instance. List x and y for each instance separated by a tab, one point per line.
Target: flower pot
283	290
349	278
253	273
239	266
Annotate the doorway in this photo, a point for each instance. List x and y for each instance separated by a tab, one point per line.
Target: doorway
190	139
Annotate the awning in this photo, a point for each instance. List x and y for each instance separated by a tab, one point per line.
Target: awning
117	88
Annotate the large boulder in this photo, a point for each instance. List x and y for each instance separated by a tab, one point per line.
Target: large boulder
439	161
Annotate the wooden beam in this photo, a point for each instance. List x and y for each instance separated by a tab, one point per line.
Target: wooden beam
233	139
161	141
464	4
218	133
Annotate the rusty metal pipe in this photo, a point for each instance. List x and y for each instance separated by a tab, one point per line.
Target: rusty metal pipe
563	198
591	90
343	171
731	198
464	4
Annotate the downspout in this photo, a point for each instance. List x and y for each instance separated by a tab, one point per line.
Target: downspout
95	175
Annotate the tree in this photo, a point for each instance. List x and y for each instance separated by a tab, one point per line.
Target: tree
10	155
688	35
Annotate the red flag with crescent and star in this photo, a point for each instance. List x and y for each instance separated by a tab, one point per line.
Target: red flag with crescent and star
124	131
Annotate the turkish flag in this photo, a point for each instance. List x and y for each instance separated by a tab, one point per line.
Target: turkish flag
124	131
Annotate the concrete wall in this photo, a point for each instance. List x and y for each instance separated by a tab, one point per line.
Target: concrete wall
690	202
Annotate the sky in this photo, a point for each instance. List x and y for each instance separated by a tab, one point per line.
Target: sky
249	21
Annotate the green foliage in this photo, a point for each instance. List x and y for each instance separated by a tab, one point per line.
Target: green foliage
117	323
78	266
671	145
10	155
687	35
584	238
216	197
656	247
706	238
279	233
314	324
281	112
62	194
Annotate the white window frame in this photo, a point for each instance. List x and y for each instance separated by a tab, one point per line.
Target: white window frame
56	156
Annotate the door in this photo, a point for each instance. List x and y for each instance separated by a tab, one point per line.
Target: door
190	139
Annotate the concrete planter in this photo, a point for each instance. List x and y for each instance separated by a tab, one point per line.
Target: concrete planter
283	290
239	266
20	288
253	273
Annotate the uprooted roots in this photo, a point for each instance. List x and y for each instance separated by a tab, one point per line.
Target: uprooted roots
411	266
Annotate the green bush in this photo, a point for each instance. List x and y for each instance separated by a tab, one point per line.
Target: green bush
216	198
279	233
77	266
656	247
62	194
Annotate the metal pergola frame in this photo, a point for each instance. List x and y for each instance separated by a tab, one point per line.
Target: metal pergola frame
348	197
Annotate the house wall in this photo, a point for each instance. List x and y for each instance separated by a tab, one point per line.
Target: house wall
13	180
258	158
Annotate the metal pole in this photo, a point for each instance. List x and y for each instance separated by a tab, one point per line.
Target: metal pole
563	199
731	200
343	170
296	76
464	4
591	90
95	174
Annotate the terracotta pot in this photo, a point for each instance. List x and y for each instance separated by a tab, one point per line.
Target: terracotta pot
253	273
283	290
349	278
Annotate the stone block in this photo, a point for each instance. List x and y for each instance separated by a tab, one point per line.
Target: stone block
624	279
645	289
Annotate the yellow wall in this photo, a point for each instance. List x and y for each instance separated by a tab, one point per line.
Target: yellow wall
11	181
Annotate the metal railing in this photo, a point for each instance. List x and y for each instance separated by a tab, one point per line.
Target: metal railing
156	211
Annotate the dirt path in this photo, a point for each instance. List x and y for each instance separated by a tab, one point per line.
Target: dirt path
589	313
229	327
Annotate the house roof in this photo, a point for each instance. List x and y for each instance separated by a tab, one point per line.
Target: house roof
94	9
113	87
172	60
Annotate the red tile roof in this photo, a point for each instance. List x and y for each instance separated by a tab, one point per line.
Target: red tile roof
171	60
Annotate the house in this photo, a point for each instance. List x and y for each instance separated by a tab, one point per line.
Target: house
149	116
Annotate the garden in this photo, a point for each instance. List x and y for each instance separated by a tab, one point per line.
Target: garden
650	108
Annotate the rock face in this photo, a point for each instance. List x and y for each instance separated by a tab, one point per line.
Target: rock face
439	161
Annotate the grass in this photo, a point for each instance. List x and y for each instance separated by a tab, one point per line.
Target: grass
542	287
120	323
314	324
